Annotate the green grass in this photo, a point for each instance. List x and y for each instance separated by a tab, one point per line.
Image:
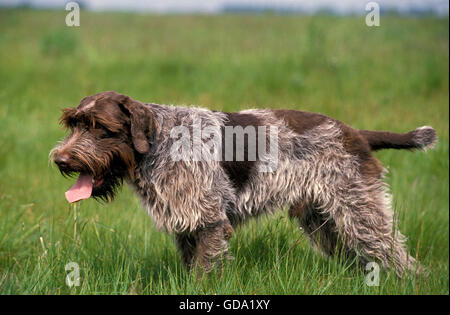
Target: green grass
394	77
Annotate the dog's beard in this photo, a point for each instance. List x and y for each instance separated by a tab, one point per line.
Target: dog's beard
112	180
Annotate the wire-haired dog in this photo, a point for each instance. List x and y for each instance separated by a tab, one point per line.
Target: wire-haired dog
324	172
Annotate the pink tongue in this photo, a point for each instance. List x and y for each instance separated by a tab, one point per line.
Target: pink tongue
81	190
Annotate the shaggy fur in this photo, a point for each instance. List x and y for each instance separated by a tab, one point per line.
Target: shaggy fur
325	173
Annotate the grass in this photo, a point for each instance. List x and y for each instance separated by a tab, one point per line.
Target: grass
394	77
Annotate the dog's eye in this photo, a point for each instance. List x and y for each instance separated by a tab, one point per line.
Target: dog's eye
102	132
96	129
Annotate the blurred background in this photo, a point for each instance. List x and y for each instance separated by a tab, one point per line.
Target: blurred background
225	55
342	7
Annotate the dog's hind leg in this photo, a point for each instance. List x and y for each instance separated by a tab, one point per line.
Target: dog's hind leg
364	221
356	221
320	230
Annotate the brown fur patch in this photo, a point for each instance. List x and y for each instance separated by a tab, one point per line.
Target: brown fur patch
240	172
358	146
300	121
354	142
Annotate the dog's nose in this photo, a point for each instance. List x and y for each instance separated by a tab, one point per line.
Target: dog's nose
62	159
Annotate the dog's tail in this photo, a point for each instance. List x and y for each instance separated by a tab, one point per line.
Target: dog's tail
421	138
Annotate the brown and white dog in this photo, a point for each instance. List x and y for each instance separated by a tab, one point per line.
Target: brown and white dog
325	173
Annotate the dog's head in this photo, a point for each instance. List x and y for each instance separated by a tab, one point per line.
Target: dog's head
109	133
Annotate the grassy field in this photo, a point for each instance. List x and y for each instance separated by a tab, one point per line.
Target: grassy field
393	77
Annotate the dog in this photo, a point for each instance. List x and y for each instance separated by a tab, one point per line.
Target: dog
321	168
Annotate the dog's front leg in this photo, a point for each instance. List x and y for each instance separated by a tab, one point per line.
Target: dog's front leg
186	243
207	246
212	246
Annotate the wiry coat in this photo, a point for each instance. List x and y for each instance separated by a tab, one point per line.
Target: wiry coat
325	174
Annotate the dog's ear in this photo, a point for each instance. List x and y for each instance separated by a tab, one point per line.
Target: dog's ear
141	124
